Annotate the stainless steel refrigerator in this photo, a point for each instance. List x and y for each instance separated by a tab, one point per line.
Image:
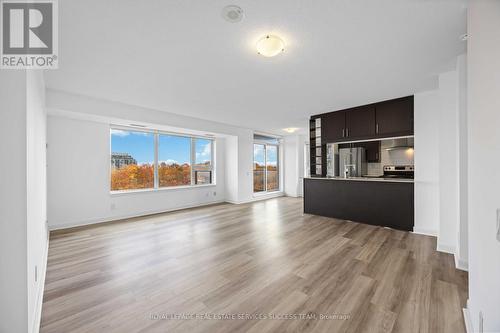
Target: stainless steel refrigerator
352	162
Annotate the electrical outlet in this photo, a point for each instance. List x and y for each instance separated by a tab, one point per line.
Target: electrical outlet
498	224
215	193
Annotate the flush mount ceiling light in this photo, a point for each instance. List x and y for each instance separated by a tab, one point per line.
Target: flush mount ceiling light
232	13
290	129
270	45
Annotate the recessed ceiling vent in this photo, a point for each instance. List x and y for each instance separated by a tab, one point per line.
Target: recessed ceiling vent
232	13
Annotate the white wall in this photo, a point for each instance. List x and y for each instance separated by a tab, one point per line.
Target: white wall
448	162
426	111
37	237
231	169
23	234
463	238
13	200
483	116
78	179
85	108
78	132
441	163
293	160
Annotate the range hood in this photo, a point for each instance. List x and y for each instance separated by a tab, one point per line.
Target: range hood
402	143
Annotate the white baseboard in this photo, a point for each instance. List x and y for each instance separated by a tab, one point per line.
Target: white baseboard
129	216
258	198
37	318
232	202
426	232
446	248
461	264
467	321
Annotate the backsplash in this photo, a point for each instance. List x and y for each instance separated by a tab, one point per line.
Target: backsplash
390	157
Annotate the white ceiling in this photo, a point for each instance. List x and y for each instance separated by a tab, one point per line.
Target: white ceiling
181	56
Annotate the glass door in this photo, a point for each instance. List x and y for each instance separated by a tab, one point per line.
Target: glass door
272	179
259	165
265	168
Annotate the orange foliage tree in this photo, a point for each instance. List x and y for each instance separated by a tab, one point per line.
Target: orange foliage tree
133	177
174	174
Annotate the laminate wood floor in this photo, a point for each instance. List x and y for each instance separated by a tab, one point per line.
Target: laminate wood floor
259	267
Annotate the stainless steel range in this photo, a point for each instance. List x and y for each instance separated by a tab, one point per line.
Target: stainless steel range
399	171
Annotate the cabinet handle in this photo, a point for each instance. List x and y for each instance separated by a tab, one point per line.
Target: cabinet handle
347	132
376	128
343	132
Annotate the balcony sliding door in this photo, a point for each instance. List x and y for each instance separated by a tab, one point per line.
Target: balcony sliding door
265	167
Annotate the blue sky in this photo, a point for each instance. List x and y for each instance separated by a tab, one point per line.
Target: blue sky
172	149
258	154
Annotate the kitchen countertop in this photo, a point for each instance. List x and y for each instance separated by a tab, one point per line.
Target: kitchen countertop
366	179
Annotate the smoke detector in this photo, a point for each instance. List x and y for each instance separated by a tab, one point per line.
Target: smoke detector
232	13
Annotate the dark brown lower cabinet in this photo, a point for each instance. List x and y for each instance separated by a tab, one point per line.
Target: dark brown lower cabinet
383	203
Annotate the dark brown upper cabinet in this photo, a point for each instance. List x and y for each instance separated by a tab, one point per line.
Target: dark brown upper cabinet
394	117
360	122
372	149
333	126
379	120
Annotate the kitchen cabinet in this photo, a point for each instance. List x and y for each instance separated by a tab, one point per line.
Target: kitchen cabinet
360	122
379	120
333	126
372	149
394	117
383	203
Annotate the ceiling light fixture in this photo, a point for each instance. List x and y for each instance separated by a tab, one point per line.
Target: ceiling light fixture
290	129
270	45
232	13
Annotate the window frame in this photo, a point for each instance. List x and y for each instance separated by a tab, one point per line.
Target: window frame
193	159
190	158
156	134
278	146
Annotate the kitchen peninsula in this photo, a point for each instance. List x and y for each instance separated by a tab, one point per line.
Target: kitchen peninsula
361	164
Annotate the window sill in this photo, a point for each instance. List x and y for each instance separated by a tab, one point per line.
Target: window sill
158	190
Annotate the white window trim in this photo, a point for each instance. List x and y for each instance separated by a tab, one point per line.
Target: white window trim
156	182
279	145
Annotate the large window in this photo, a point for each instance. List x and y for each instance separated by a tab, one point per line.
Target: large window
132	160
203	161
174	160
265	164
151	160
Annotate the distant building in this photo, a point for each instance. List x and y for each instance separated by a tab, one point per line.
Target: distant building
119	160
